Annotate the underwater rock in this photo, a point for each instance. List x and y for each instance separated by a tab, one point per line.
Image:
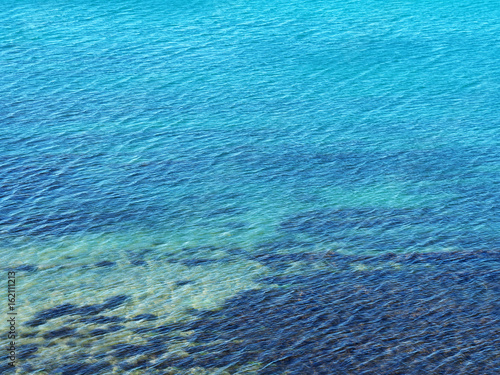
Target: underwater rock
183	282
26	268
61	332
114	328
114	302
55	312
98	332
70	309
165	329
89	310
26	351
105	263
102	319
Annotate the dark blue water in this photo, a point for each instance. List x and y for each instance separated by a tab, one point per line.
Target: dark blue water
178	179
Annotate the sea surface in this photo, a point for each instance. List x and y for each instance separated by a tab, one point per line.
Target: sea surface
251	187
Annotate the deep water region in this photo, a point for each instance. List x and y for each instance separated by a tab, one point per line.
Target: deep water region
249	187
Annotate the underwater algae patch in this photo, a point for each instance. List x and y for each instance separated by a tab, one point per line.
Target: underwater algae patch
433	313
393	229
440	318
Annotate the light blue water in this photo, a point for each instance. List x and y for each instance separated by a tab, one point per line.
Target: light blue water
179	140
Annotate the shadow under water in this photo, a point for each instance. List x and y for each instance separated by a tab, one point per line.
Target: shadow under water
390	229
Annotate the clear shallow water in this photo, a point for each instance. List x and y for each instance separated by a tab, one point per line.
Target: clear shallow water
198	156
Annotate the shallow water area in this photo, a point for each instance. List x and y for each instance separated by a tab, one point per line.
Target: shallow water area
284	313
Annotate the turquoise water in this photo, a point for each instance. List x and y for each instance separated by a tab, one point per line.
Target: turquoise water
184	154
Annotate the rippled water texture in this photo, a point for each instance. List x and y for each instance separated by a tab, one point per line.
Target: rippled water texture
251	187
